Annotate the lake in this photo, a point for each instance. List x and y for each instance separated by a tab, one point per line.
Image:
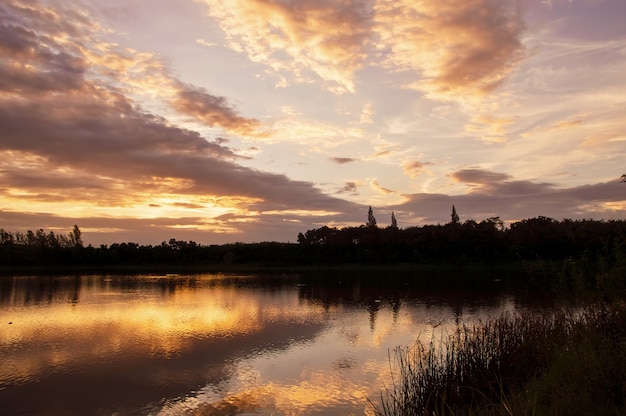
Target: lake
219	344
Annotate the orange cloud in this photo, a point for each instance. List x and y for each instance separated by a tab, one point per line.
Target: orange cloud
374	183
414	168
460	47
322	36
213	111
455	48
489	129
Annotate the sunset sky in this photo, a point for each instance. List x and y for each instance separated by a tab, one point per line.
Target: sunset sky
253	120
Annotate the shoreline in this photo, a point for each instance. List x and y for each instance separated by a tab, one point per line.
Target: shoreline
516	267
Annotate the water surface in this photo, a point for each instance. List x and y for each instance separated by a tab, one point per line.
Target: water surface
218	344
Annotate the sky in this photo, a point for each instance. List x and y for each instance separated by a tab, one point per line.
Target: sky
254	120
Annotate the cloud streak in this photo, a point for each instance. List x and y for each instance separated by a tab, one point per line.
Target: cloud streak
378	187
343	160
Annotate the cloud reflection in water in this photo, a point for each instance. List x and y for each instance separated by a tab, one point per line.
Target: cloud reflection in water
183	345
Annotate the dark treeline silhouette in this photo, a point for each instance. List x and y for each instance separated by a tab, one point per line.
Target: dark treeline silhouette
469	242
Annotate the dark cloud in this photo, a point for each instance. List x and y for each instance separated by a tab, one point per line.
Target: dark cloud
349	188
500	183
94	130
479	176
34	62
342	160
115	140
498	194
19	177
212	110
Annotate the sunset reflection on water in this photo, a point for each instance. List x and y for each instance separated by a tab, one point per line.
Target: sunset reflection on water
175	345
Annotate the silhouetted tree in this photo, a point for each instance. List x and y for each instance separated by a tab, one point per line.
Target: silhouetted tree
394	223
454	217
371	221
76	239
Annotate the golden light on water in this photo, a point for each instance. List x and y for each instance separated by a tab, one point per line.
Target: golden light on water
343	368
147	323
234	343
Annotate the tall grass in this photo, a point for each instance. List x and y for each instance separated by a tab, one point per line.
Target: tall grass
562	363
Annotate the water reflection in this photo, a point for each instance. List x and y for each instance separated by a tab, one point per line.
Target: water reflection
215	344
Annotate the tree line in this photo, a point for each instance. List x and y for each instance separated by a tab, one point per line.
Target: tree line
483	242
470	241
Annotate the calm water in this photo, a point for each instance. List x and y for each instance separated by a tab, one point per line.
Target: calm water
215	344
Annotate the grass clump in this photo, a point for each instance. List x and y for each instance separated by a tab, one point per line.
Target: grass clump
563	363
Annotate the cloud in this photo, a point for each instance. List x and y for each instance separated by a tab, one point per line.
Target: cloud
57	50
113	140
76	141
31	64
456	48
188	205
484	181
460	47
414	168
325	37
381	153
349	188
479	176
72	133
320	134
206	43
342	160
500	194
367	113
212	111
374	183
490	129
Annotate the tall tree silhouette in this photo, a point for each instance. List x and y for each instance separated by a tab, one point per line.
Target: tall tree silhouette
394	223
454	217
371	221
76	239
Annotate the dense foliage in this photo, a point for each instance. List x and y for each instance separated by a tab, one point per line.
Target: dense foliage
487	240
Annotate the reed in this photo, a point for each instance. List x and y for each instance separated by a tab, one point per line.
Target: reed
567	362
